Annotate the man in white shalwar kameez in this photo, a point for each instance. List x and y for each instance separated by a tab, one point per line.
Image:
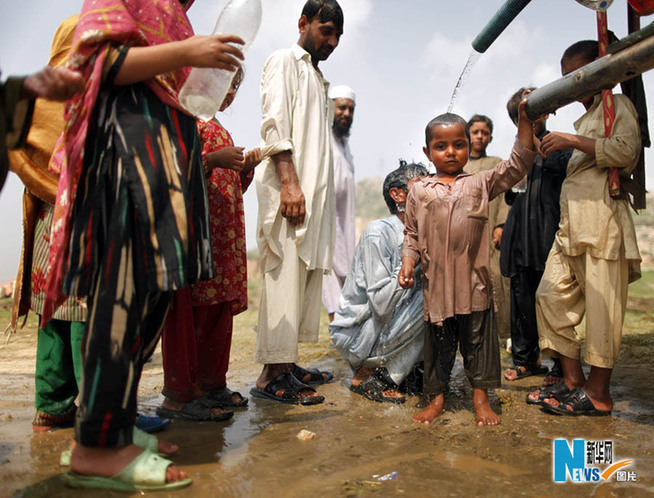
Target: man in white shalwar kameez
296	204
332	283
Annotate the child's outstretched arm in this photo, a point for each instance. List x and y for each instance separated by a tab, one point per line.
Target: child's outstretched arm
525	125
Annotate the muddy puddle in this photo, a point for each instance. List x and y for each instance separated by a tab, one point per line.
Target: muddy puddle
361	448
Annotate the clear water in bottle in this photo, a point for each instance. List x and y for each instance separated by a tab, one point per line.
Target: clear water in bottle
205	89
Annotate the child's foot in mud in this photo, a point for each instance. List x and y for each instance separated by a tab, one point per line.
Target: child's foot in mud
484	413
431	412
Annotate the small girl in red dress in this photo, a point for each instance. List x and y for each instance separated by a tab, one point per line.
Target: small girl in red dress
198	332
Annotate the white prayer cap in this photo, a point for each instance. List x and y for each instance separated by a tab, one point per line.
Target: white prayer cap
341	92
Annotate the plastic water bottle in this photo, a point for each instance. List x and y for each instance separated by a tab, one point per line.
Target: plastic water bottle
205	89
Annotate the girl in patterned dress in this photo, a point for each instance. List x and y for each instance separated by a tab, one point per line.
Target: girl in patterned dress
198	331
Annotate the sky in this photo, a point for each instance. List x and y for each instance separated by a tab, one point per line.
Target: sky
402	58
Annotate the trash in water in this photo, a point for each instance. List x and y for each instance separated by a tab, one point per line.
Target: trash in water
305	435
393	476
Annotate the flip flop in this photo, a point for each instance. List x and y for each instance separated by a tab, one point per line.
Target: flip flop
557	391
373	389
291	386
224	396
140	438
316	377
527	372
198	410
580	403
147	472
151	424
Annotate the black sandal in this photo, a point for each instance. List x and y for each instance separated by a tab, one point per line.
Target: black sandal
373	389
291	386
557	391
580	405
316	377
224	396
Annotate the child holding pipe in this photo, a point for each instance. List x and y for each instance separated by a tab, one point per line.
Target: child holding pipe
446	230
595	254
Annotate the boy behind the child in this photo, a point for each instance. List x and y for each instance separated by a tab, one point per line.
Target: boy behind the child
447	230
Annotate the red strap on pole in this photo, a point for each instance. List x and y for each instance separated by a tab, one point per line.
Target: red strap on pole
607	101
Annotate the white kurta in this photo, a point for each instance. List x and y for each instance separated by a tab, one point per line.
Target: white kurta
344	188
296	116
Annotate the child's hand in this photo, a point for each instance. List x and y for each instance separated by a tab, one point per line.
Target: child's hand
525	125
405	277
215	51
227	158
252	159
556	141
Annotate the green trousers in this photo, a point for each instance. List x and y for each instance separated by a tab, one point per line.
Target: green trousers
58	372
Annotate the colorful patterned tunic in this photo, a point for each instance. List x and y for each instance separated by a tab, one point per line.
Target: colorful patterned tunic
225	190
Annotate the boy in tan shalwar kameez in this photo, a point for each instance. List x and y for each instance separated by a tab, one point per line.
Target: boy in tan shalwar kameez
595	254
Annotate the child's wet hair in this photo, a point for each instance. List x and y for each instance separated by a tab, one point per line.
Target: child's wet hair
447	119
588	49
399	178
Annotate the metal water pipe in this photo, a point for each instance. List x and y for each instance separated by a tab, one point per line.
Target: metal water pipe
636	55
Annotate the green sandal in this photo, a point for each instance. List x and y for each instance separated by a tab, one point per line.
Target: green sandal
140	438
147	472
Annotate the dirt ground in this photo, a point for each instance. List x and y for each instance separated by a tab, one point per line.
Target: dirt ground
357	441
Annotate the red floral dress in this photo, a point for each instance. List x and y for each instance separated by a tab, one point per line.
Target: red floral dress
225	191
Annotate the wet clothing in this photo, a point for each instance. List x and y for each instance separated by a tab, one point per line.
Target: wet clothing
296	116
379	324
473	335
198	333
447	231
497	213
595	254
345	239
528	235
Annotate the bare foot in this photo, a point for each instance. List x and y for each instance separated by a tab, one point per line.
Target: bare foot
272	370
484	413
433	410
107	462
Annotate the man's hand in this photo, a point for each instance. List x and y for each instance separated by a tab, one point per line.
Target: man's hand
292	202
53	83
293	206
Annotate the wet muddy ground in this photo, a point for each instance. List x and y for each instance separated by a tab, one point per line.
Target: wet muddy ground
357	441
